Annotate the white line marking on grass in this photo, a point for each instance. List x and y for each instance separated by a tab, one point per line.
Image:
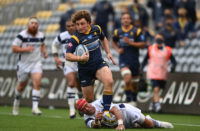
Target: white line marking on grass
81	118
30	115
184	124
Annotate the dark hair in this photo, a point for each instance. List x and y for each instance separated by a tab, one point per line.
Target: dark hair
81	14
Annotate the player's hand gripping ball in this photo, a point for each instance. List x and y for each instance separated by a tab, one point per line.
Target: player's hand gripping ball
80	50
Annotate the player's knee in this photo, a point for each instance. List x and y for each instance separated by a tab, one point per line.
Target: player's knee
21	86
126	74
148	123
37	85
127	79
71	84
109	83
156	90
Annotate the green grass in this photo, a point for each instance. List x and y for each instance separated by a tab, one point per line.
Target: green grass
58	120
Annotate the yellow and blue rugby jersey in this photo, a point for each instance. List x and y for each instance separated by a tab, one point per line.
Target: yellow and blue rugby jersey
131	53
91	40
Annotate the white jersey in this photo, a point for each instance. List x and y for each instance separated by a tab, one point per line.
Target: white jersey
25	39
62	40
131	115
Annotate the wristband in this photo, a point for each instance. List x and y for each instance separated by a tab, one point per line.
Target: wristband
120	122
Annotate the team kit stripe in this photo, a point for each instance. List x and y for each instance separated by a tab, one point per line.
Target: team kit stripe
76	38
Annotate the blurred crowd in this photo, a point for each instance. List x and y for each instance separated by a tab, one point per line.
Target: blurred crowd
174	18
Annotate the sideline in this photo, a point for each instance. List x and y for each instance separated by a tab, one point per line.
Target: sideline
45	116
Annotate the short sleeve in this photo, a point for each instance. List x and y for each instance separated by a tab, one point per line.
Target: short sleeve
57	40
89	121
115	36
139	36
18	40
55	45
43	39
101	33
73	43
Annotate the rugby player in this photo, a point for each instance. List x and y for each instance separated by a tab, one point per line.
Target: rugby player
95	67
126	116
126	41
29	44
70	68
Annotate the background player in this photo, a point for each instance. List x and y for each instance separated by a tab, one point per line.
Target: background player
127	116
95	66
29	44
126	41
70	68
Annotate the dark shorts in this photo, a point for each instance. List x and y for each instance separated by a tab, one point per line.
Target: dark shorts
133	67
87	76
158	83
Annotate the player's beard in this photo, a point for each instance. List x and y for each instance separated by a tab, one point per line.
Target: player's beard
32	31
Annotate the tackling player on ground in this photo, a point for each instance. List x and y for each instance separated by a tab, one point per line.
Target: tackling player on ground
70	68
95	67
29	44
125	116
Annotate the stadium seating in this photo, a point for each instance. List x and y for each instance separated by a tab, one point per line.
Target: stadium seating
187	56
2	28
7	2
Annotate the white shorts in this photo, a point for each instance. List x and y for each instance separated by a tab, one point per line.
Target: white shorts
25	69
70	67
132	116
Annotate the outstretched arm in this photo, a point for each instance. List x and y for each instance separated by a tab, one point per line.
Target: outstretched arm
115	111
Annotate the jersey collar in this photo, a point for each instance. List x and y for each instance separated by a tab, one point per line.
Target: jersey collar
86	33
127	30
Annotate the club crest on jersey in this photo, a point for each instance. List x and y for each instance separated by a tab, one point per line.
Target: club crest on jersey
131	33
70	45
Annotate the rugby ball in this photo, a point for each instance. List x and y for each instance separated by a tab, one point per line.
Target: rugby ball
109	120
80	50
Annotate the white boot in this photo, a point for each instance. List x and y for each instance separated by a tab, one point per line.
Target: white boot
164	124
16	107
161	124
16	102
36	111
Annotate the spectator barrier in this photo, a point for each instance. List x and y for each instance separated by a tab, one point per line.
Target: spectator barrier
181	94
